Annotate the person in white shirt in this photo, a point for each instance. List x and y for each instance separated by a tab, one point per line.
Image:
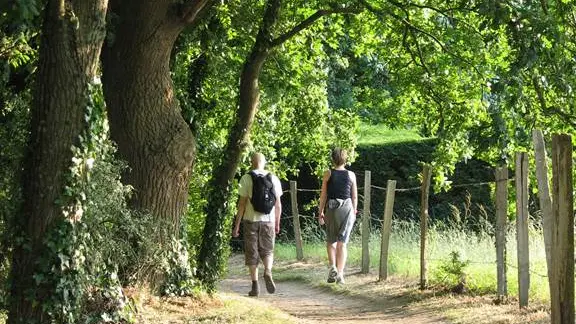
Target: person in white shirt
260	229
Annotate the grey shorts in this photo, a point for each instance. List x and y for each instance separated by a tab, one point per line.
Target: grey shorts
340	218
258	241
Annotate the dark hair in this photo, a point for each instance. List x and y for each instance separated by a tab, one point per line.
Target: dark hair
339	156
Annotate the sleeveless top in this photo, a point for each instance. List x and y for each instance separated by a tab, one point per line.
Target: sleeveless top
339	185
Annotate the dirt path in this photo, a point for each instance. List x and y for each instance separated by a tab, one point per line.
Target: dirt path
302	297
313	305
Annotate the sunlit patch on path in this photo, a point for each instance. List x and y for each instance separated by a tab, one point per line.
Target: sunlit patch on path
313	305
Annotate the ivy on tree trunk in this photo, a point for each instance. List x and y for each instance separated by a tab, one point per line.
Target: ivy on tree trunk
72	37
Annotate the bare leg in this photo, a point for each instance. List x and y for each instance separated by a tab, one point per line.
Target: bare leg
270	285
332	272
331	248
341	255
253	272
268	261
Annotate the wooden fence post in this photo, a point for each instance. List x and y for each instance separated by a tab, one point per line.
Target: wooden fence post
425	191
522	227
366	223
544	197
501	229
563	209
296	221
386	227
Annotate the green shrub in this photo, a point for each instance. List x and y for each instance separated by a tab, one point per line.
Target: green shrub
474	259
402	161
99	245
14	120
451	272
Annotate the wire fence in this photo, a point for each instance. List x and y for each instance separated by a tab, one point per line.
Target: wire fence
400	190
313	228
491	263
380	221
563	224
461	185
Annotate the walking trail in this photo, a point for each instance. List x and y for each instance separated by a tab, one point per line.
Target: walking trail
363	299
314	305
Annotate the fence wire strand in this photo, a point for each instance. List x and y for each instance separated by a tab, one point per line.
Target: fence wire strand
492	263
308	190
474	184
377	220
313	217
408	189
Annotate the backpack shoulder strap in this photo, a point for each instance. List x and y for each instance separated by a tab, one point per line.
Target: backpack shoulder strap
252	174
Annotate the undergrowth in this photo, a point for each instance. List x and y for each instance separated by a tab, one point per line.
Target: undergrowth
452	255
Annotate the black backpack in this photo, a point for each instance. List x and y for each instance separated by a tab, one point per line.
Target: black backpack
263	196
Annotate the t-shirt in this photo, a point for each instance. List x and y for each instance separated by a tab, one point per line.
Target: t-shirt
245	190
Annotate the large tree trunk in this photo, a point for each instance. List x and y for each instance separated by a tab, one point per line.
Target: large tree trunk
145	119
72	37
211	256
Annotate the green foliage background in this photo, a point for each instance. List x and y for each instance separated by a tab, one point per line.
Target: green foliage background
469	82
294	126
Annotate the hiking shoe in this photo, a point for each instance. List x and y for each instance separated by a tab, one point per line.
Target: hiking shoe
332	274
255	290
340	280
270	286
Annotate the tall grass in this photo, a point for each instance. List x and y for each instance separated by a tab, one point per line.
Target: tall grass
477	248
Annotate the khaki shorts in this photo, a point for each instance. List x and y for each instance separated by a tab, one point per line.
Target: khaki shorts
258	241
340	218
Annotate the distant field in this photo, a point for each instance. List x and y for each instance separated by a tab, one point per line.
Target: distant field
379	134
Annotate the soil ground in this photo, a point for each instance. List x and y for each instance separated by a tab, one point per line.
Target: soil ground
303	293
309	303
315	305
302	296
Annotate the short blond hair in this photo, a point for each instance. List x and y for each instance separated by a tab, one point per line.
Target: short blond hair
339	156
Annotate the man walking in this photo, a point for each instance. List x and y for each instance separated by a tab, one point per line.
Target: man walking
259	209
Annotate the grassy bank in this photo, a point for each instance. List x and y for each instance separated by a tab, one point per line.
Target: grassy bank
478	250
380	134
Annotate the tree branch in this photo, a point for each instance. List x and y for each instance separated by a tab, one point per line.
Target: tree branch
566	117
544	6
405	21
419	51
192	9
444	13
309	21
409	24
5	51
539	93
440	11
